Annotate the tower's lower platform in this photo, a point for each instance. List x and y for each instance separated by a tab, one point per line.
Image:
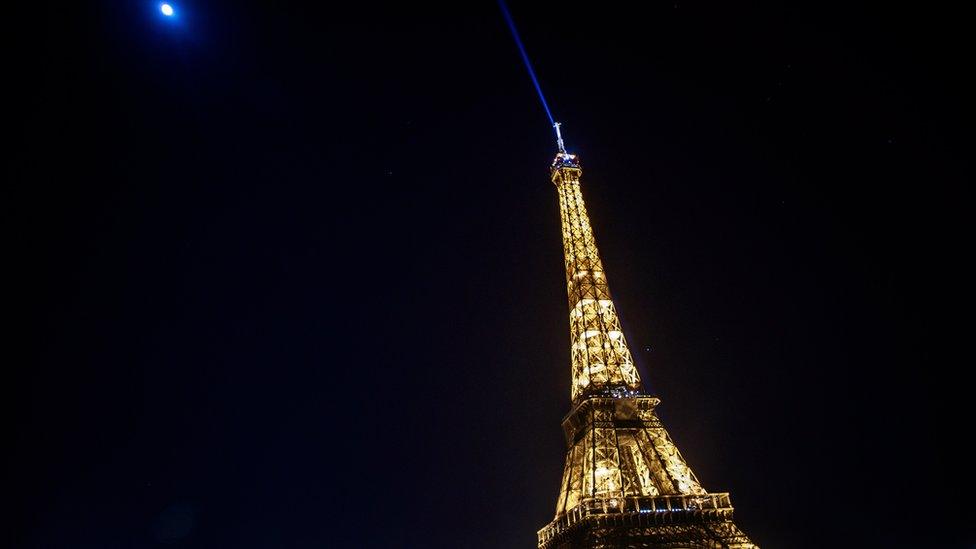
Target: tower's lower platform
626	485
699	521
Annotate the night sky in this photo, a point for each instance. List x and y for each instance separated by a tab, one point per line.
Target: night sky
290	275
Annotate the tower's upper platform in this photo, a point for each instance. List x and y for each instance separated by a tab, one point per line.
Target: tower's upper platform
565	160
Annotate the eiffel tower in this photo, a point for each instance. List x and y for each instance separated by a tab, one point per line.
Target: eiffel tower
625	485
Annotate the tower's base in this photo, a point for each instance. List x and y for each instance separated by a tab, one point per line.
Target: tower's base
594	525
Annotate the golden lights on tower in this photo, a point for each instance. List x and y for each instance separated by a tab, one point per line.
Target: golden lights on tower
624	482
601	359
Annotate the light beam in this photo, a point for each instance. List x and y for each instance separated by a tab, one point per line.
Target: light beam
525	58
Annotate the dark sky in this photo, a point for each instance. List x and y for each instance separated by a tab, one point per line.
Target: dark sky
292	273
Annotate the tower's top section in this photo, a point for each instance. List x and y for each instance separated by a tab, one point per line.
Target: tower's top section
563	159
602	363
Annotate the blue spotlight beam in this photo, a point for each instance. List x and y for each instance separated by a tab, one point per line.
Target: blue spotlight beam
525	58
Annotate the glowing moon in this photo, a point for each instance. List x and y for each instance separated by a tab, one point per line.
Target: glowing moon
166	9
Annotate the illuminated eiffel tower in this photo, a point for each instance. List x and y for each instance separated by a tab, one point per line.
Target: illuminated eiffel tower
625	484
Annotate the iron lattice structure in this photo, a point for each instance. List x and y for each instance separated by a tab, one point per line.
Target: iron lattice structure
624	484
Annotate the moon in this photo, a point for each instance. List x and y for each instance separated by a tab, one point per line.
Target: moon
166	9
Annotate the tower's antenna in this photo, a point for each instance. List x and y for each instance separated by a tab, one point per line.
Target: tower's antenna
559	137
